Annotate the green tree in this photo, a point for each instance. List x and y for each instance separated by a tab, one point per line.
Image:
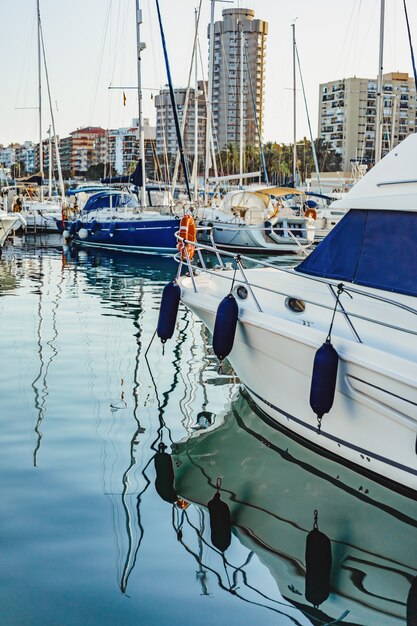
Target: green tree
95	172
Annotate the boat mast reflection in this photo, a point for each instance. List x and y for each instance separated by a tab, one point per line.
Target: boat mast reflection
164	473
39	383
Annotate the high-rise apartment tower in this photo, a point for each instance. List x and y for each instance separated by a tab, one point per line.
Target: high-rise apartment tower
238	27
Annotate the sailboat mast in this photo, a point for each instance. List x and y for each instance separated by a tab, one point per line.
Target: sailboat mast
57	155
209	100
294	154
40	99
378	120
49	163
140	46
195	166
241	105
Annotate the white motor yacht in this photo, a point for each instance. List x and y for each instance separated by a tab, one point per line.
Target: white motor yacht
328	349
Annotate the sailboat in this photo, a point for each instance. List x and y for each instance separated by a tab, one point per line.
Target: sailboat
40	213
119	221
256	219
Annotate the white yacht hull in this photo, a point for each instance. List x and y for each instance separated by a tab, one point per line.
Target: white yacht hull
373	421
240	237
9	222
42	216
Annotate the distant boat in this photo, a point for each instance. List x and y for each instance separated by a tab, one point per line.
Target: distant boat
118	220
114	220
40	213
257	220
328	349
9	222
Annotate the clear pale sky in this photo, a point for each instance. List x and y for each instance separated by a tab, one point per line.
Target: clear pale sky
90	45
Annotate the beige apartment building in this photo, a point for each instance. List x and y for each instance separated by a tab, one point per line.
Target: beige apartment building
166	136
228	33
347	115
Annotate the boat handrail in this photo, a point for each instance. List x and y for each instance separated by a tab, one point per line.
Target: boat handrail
238	258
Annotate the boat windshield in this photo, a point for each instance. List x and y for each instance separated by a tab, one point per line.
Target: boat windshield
110	200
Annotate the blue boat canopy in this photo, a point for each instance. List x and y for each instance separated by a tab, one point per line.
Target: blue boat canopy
374	248
106	199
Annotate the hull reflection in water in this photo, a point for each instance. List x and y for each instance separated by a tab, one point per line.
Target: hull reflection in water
361	561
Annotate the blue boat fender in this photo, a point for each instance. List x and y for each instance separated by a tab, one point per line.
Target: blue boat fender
225	327
323	380
164	481
318	557
78	225
71	230
168	311
95	226
112	229
220	523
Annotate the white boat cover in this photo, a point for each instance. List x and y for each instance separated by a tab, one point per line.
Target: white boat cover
254	205
390	185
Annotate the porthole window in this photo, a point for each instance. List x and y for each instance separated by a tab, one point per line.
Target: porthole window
295	305
241	292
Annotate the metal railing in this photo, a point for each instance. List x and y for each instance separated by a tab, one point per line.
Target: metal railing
237	265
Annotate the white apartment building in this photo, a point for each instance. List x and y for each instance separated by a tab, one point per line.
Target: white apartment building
124	147
238	27
8	155
19	153
347	115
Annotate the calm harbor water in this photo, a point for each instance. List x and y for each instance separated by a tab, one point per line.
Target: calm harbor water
94	531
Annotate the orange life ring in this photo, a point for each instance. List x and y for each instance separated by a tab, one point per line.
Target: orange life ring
187	232
311	213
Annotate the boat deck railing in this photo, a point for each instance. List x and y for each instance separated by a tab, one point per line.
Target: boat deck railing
239	274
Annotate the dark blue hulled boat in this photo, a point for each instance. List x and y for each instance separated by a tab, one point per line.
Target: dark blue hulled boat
117	219
113	219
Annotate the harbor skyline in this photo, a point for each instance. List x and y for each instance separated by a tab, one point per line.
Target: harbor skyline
92	47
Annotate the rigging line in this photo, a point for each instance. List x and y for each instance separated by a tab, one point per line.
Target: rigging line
230	589
166	394
97	78
187	97
57	154
117	45
313	148
261	148
174	105
370	22
157	71
411	45
28	56
343	54
213	129
130	560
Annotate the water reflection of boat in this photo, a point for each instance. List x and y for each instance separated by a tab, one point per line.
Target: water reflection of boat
119	269
8	280
272	485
